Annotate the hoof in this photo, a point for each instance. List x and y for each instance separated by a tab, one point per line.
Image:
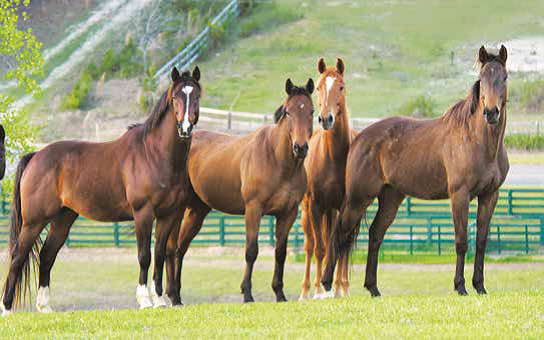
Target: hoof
481	291
142	296
159	302
461	291
281	298
248	299
317	296
327	295
374	292
44	309
303	296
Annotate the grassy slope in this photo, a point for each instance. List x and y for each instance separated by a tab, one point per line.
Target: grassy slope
394	51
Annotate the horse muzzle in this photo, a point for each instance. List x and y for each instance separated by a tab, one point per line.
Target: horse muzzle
327	122
300	151
492	116
185	132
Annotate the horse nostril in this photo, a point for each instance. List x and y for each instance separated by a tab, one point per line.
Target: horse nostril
305	147
330	118
319	119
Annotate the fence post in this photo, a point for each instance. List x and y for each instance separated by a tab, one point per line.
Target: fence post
542	231
439	240
526	240
271	230
429	230
229	120
408	205
116	234
411	240
68	241
222	230
499	239
510	209
297	241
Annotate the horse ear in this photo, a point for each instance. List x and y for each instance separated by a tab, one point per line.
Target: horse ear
175	74
289	86
503	54
310	86
340	66
2	133
482	55
196	73
279	114
321	65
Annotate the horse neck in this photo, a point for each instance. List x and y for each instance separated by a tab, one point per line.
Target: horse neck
164	145
491	136
280	140
336	140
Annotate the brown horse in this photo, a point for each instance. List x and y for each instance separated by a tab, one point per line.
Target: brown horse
141	176
458	156
325	167
258	174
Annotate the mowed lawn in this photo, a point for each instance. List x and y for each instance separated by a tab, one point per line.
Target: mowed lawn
418	301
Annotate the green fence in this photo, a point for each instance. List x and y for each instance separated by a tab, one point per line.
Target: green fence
420	227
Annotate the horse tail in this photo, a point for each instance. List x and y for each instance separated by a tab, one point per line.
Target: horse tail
22	285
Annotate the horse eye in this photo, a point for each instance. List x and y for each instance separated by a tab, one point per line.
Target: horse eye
505	77
341	88
312	112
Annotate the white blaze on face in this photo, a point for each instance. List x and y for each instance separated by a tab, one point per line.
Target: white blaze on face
186	124
329	81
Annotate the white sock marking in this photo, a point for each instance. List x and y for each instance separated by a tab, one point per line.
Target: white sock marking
42	300
142	296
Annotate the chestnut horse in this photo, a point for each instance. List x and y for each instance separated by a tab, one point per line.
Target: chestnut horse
258	174
2	152
141	176
325	167
458	156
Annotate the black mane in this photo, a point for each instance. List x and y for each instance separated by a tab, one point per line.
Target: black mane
466	107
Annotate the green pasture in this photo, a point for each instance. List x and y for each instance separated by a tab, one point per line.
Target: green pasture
394	52
418	301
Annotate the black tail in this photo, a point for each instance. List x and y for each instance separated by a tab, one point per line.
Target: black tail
22	285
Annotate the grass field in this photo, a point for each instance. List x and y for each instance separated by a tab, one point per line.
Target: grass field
418	301
394	51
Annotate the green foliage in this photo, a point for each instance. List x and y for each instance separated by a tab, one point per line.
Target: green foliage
77	97
20	47
122	64
421	106
530	95
525	142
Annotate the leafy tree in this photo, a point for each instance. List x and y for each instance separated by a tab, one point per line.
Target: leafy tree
20	60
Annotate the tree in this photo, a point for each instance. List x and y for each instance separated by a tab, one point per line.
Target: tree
20	60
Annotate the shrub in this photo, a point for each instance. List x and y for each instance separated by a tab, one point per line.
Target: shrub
421	106
530	95
77	97
524	142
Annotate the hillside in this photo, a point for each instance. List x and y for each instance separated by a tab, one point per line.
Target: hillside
402	58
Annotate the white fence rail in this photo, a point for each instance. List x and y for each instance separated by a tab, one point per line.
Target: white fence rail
192	51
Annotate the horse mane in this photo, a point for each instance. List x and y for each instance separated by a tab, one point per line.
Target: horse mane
160	109
460	112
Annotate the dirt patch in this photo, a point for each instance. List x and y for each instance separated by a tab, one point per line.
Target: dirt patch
526	54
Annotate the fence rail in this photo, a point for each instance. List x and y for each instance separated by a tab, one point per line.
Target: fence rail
192	51
420	227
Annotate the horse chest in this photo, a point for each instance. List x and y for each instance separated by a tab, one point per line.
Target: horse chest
286	196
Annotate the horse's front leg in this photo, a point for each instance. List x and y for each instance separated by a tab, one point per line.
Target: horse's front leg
143	224
253	222
165	225
283	226
459	205
486	206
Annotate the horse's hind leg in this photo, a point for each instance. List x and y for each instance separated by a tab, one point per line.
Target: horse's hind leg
309	249
143	223
60	226
283	225
486	206
389	201
163	229
25	242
